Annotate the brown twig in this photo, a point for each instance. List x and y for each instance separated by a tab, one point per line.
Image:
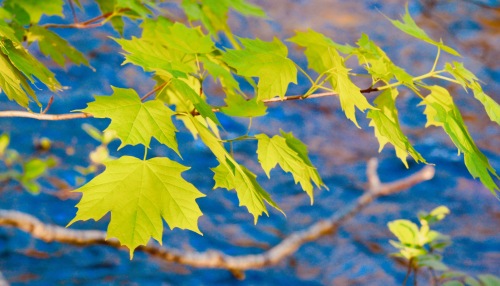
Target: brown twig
153	91
41	116
214	258
12	113
89	23
49	104
73	12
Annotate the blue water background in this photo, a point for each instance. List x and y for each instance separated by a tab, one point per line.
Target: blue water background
359	253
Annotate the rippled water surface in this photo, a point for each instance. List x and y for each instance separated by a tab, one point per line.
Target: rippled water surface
359	253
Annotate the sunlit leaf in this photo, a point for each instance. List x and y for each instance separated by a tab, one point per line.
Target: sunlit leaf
14	84
231	175
240	107
323	57
56	47
29	65
36	8
266	60
285	152
138	194
385	122
409	26
467	79
135	122
441	111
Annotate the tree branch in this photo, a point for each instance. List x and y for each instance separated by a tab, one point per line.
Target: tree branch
41	116
92	23
214	258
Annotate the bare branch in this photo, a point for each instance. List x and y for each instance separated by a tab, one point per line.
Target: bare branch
42	116
213	258
27	114
92	23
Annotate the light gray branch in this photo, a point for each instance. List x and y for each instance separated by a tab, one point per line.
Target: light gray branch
214	258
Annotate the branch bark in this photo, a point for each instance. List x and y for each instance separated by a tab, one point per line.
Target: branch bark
53	117
215	258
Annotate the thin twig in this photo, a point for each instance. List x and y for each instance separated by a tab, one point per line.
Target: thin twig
153	91
12	113
73	12
89	23
49	104
214	258
41	116
408	271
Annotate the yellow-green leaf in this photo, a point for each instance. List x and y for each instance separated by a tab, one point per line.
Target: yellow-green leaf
56	47
285	152
441	111
323	57
138	194
318	48
14	84
266	60
385	122
188	40
409	26
29	65
467	79
231	175
37	8
135	122
240	107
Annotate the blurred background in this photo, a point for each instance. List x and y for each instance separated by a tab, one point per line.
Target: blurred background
358	254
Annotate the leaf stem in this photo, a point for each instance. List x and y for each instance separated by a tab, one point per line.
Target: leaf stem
436	60
239	138
305	73
424	76
161	86
232	40
89	23
446	78
145	153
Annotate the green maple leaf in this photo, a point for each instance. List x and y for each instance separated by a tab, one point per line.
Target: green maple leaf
154	57
467	79
318	48
385	122
29	65
266	60
36	8
214	13
231	175
279	150
108	6
409	26
14	84
185	93
8	32
138	194
441	111
250	193
221	72
56	47
188	40
135	122
240	107
323	57
135	6
378	64
349	94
